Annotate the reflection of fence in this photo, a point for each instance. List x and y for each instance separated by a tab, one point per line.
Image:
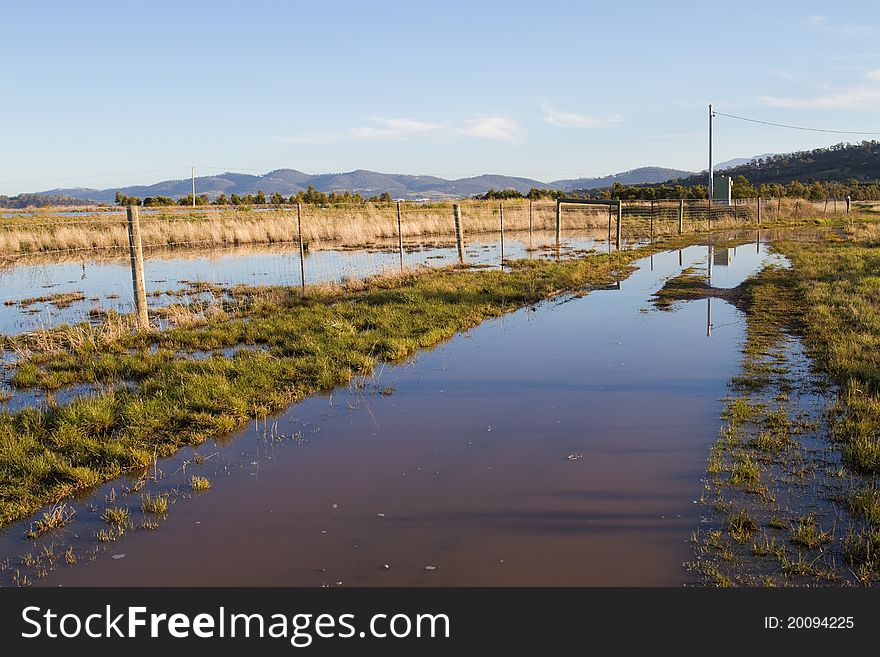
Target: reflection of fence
311	244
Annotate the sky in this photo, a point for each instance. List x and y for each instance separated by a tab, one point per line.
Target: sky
104	94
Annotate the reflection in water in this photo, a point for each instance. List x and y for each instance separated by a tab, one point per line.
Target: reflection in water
560	445
108	285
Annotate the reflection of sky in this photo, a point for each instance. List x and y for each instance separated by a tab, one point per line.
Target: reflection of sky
108	284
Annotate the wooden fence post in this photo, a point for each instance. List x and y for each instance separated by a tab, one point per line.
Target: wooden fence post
530	217
302	251
456	213
399	237
652	218
619	220
680	216
137	267
558	221
501	214
759	210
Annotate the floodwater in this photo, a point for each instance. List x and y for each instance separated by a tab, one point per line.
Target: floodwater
106	284
558	445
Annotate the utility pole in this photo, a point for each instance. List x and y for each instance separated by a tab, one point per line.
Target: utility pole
193	172
711	177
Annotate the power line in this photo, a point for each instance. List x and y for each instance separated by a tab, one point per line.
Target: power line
794	127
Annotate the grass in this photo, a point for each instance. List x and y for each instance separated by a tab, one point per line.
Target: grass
741	526
115	516
305	346
155	504
199	484
829	298
351	225
806	532
56	517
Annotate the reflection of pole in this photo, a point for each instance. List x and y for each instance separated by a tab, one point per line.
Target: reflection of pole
708	316
619	220
456	213
399	237
711	254
302	251
679	258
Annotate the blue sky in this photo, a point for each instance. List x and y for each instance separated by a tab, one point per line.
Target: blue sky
102	94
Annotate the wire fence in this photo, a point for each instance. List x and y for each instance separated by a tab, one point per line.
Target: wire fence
69	267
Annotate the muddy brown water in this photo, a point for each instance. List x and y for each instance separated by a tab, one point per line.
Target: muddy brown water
559	445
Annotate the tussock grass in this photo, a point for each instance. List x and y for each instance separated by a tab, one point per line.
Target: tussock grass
116	516
57	516
198	484
155	504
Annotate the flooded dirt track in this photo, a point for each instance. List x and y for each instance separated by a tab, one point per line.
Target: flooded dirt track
559	445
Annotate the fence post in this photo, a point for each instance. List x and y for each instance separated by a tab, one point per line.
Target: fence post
137	267
399	237
302	251
652	218
709	215
501	213
456	213
619	219
558	220
735	209
530	217
825	209
759	210
680	216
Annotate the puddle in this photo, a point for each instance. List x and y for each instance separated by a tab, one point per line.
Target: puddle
558	445
106	284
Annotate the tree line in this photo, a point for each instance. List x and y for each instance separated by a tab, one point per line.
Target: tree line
742	188
534	194
310	196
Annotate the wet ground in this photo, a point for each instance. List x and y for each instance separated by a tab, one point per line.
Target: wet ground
559	445
106	284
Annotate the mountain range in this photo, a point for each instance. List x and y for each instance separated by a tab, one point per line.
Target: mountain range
367	183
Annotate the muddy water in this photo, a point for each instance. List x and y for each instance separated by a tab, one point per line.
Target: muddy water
107	284
560	445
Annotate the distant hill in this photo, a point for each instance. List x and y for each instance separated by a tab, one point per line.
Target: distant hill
840	163
367	183
642	175
737	161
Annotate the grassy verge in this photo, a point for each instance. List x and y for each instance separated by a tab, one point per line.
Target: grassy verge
786	504
278	349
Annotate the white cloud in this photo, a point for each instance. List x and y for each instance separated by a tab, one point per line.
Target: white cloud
863	96
821	24
490	127
573	120
401	129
